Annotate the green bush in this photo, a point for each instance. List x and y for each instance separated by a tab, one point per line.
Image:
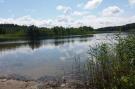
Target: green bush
113	66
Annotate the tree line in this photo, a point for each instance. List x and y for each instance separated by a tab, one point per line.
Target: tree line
127	27
43	31
13	31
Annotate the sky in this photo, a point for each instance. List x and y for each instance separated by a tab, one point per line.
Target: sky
67	13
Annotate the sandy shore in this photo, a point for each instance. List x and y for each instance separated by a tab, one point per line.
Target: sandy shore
17	84
14	81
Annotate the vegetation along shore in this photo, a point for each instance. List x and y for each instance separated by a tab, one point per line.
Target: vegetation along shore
16	32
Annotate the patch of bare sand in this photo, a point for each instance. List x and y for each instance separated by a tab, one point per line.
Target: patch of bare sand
14	84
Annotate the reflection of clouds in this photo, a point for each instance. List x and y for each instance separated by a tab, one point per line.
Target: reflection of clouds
22	50
63	58
49	55
79	51
66	49
48	47
73	50
81	48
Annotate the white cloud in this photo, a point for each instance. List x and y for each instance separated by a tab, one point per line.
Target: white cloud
78	13
60	7
70	12
132	2
26	20
92	4
97	22
110	16
64	9
70	21
111	11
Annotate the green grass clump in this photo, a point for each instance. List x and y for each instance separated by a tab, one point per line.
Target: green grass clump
113	66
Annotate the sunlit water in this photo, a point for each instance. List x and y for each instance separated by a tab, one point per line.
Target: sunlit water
51	57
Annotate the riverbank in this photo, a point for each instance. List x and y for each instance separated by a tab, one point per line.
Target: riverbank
20	84
14	81
17	38
15	84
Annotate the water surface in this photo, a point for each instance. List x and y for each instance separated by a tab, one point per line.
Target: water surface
50	57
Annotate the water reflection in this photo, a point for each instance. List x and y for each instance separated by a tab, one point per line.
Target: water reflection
50	57
35	44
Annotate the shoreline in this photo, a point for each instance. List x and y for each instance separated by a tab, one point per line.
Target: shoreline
3	39
14	83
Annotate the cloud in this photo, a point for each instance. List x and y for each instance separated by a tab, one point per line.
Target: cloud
132	2
63	21
78	13
70	21
64	9
111	11
69	11
26	20
91	4
101	21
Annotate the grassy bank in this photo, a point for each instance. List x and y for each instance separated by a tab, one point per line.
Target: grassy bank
14	37
112	66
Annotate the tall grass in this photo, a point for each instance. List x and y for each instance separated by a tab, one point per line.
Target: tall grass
112	66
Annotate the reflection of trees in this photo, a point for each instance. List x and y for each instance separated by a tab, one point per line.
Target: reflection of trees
10	46
58	42
61	41
83	40
33	33
34	44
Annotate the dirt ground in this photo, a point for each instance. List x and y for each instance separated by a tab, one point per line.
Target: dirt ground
16	84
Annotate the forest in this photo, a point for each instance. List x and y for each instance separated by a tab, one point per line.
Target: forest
17	32
127	27
11	31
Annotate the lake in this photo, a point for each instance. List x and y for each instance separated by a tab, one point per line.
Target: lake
49	57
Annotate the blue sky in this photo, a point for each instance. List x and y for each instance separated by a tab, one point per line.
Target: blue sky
67	12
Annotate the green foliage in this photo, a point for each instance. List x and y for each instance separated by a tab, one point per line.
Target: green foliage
113	66
33	32
124	28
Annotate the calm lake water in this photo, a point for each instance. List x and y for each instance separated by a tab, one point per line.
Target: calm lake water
51	57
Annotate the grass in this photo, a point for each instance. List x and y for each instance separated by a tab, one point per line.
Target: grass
23	36
112	66
10	37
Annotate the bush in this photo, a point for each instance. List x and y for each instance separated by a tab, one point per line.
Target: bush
113	66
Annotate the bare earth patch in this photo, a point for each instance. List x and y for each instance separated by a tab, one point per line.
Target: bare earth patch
14	84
